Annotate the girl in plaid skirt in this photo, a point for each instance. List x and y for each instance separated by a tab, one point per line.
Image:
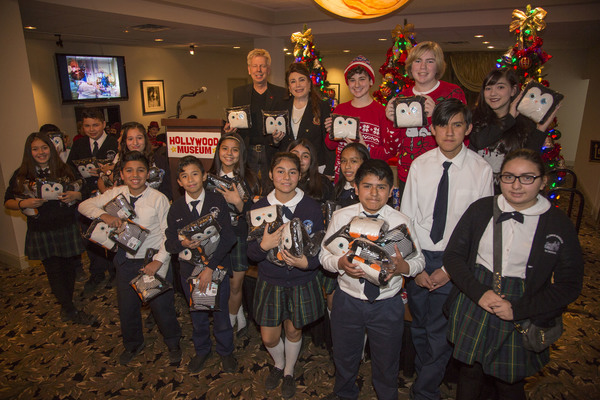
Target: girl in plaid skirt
542	272
288	296
52	232
230	161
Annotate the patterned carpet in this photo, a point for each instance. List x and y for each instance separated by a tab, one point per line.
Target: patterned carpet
44	358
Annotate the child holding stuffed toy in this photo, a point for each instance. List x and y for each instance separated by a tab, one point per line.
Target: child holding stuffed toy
286	296
351	158
195	203
425	64
498	128
52	231
151	209
230	162
459	175
375	130
360	306
134	138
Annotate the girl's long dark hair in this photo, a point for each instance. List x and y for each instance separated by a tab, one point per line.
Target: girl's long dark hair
27	170
123	142
314	96
312	179
364	154
241	169
483	115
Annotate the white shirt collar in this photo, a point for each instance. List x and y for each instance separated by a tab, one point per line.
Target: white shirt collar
541	206
429	91
229	174
292	203
100	141
189	199
348	185
458	159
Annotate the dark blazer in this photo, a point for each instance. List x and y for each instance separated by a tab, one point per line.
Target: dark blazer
180	215
242	95
308	129
81	149
554	274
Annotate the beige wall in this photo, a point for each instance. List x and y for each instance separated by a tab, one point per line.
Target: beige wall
589	172
181	72
16	121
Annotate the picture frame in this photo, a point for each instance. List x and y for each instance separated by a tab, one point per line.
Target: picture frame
153	96
335	99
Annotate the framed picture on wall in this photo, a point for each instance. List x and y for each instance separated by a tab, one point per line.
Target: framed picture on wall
153	97
333	92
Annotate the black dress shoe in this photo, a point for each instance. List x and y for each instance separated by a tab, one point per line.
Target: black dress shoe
175	357
229	363
127	355
197	362
274	378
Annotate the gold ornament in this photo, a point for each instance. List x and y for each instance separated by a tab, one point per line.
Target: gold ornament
303	42
407	30
531	19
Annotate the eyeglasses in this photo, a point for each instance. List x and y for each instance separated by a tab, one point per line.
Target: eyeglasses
524	179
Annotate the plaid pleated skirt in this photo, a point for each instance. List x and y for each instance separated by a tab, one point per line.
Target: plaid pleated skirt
239	256
328	281
300	304
479	336
61	242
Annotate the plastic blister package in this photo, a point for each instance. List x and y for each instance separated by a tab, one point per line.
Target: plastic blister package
129	236
99	233
206	230
275	121
368	228
409	112
260	217
344	127
155	177
119	207
207	300
85	165
149	286
239	117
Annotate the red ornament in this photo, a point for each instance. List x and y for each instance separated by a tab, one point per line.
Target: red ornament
525	62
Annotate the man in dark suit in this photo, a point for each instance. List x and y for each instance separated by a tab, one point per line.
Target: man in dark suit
101	146
260	95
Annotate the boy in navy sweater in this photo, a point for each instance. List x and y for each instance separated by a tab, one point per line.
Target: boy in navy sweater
195	203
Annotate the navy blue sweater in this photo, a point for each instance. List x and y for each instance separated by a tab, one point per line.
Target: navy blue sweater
309	212
180	215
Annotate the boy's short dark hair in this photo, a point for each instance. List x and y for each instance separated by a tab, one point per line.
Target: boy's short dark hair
448	108
93	113
135	156
189	160
379	168
358	70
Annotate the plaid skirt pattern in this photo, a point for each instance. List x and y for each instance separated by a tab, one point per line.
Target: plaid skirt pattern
479	336
301	304
328	281
239	256
61	242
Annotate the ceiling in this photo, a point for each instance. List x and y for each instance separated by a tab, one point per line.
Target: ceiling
221	25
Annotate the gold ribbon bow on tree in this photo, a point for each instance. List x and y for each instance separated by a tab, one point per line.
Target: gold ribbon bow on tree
407	31
302	40
532	20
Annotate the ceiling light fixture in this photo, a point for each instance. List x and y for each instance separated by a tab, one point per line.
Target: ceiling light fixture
192	49
29	27
346	51
486	42
491	47
363	9
382	39
158	40
236	47
478	36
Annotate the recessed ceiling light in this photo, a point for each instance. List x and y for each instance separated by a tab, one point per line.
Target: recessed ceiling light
236	47
289	53
486	42
31	28
478	36
346	51
285	49
491	47
126	31
158	40
382	39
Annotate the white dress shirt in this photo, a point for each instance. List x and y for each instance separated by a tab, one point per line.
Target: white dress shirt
516	239
469	178
151	210
100	141
353	286
189	199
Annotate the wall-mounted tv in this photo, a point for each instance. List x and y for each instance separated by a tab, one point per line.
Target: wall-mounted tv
91	78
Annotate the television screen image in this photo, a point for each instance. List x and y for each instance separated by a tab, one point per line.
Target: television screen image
91	78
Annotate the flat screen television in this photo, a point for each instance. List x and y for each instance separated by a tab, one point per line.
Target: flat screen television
85	78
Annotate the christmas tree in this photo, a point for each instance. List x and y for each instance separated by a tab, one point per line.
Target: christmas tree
393	70
305	52
527	58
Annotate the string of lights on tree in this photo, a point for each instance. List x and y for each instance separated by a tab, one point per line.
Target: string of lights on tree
395	78
305	52
527	58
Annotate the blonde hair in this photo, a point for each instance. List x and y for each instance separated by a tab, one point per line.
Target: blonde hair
259	53
422	48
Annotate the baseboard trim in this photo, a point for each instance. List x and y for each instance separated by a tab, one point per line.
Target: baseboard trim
14	261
